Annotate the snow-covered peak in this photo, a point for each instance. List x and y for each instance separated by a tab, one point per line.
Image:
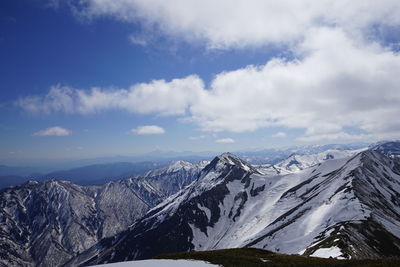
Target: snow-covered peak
178	165
228	158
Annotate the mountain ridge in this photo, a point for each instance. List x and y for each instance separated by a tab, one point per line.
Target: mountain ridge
49	222
208	219
345	206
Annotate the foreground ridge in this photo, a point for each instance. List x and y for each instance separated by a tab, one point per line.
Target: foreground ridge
250	257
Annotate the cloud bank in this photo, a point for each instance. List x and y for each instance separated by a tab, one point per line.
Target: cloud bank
224	24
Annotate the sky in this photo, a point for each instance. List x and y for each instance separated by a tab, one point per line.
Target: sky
93	78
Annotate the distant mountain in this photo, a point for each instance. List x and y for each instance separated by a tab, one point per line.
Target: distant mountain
17	170
48	223
10	180
276	155
102	173
390	148
344	208
298	162
87	175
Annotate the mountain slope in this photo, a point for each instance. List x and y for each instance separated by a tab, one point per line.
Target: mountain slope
47	223
347	207
353	209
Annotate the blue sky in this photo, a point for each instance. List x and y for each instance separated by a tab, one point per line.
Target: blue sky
193	76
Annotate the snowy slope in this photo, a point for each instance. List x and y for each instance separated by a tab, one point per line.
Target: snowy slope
355	207
344	207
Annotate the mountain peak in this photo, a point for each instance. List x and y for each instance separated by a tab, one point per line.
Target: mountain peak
180	164
223	159
228	156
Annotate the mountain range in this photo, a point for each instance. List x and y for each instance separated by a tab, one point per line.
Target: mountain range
339	203
47	223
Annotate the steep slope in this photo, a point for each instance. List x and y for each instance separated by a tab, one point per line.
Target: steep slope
343	208
47	223
350	212
167	227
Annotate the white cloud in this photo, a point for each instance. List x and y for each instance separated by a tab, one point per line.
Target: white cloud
148	129
225	141
334	83
279	135
158	96
233	24
53	131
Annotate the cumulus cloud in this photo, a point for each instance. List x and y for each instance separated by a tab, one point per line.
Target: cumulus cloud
148	129
279	134
225	141
53	131
158	96
335	82
227	24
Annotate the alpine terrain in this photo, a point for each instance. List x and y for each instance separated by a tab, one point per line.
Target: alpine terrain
345	207
48	223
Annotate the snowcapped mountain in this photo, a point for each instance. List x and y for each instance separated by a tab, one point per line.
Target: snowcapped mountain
47	223
346	208
298	162
340	203
276	155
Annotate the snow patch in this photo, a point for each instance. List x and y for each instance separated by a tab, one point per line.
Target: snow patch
157	263
333	252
